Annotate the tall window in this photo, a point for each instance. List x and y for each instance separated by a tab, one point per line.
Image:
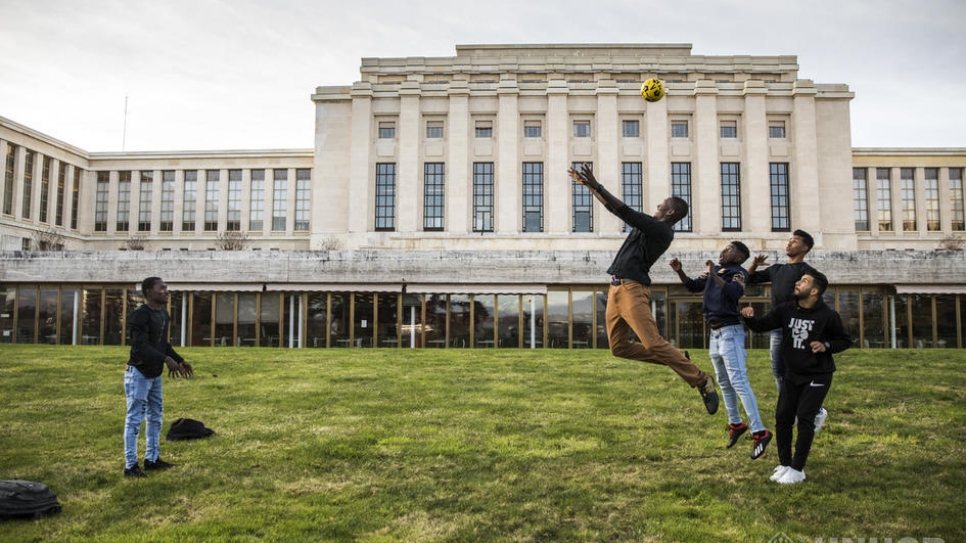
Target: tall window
303	199
681	187
679	129
189	215
100	201
931	181
632	186
883	194
631	128
730	197
728	129
582	202
212	180
75	199
8	179
581	129
908	194
860	199
45	190
234	200
956	195
28	184
167	201
482	196
123	215
62	192
532	129
533	196
434	204
280	201
434	130
780	205
385	197
144	202
256	216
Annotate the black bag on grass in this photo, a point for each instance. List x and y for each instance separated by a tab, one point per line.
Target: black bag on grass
26	500
188	429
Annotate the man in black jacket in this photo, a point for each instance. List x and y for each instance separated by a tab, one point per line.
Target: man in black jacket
811	332
150	353
629	298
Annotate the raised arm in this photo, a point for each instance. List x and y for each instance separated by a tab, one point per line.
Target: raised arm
585	176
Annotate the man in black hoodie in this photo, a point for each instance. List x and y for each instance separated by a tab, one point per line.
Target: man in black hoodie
811	332
150	353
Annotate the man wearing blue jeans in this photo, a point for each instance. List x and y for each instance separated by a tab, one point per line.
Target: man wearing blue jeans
723	285
150	353
783	278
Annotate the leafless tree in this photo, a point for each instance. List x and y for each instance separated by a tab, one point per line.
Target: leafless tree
48	240
232	240
135	243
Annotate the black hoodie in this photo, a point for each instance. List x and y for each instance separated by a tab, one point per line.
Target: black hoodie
800	327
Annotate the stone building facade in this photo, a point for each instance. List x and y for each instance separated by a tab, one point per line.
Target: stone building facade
435	209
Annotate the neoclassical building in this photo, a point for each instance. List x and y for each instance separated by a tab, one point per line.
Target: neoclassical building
435	209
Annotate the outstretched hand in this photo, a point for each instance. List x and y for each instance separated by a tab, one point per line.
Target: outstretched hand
176	370
585	176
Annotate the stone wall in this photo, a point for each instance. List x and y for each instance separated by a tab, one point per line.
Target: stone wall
442	267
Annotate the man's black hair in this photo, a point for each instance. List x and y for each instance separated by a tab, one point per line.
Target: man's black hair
680	208
819	281
806	237
742	248
148	284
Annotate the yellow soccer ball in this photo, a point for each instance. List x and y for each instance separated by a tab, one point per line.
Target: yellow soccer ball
652	90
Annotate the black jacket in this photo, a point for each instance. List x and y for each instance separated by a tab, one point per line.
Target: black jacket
721	304
149	340
782	278
800	327
644	245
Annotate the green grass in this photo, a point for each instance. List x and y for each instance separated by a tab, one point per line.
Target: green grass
445	446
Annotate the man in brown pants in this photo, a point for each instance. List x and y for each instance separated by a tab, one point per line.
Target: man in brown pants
629	299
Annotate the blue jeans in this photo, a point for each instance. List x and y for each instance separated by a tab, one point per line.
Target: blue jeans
143	402
777	364
727	349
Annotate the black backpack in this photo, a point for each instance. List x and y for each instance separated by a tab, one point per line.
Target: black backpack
26	499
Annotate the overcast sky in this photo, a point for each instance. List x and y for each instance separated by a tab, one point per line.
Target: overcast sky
238	74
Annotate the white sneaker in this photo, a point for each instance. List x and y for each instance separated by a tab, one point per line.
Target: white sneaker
791	476
779	471
820	419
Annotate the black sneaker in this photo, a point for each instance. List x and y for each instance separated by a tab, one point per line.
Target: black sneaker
734	432
156	465
709	395
134	471
762	439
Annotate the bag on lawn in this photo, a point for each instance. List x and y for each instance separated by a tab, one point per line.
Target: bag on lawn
188	429
26	499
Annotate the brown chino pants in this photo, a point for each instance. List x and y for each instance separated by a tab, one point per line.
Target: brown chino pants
629	308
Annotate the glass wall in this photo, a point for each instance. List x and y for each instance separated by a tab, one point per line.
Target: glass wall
946	321
484	325
563	318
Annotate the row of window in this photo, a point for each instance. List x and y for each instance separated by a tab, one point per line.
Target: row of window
582	208
630	128
200	199
886	190
561	318
56	178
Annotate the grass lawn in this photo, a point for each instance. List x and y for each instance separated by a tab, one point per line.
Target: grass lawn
451	445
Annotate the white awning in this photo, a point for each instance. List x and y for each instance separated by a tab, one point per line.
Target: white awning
332	287
475	289
214	287
930	289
